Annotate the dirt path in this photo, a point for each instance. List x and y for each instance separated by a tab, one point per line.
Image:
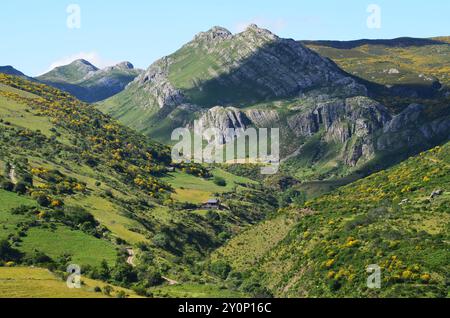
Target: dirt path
130	260
170	281
131	256
12	175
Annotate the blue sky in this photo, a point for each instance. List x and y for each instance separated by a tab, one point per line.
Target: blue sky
35	35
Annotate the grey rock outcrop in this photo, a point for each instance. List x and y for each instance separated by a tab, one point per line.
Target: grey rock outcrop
341	119
223	119
262	117
216	33
155	82
411	128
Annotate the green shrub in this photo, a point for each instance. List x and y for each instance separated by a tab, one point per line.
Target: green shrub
8	253
7	185
221	182
20	188
161	240
220	268
43	200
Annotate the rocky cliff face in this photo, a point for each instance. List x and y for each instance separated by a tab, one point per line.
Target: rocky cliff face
359	116
360	126
223	119
411	128
155	82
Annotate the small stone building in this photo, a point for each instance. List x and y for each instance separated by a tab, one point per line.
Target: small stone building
212	204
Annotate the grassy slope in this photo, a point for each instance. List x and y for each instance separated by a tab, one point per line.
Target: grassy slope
195	291
7	220
25	282
194	190
105	211
125	107
131	214
84	249
245	250
385	219
373	62
71	74
195	66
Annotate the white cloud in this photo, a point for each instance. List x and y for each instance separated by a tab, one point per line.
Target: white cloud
274	25
92	57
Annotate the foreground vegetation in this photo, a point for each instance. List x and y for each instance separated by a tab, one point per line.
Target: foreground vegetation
397	219
78	187
25	282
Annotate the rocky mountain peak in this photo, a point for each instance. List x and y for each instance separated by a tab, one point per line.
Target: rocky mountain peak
255	65
215	33
124	66
81	63
254	32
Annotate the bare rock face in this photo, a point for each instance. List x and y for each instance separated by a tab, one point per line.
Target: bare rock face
262	117
411	128
155	82
223	119
216	33
341	119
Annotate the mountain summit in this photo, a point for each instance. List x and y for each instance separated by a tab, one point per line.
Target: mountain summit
9	70
70	74
219	68
89	83
257	79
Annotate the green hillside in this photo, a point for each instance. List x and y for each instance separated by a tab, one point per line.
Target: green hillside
78	187
398	219
25	282
419	62
71	73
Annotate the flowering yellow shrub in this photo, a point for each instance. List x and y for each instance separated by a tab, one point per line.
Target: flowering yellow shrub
330	263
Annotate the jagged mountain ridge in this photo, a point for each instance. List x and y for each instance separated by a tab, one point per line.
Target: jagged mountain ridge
256	79
219	68
89	83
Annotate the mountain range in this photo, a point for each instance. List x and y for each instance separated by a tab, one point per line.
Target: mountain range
84	80
345	109
333	122
86	175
